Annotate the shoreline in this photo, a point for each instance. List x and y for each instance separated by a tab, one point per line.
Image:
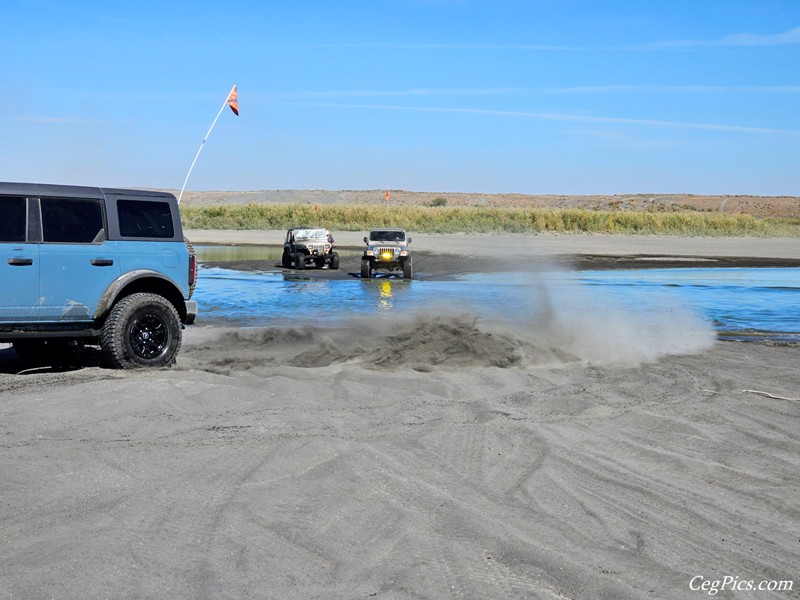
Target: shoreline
485	252
543	243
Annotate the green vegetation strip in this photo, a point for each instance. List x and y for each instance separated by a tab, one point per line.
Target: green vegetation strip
441	219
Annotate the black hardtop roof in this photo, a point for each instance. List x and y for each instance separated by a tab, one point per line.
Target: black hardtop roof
71	191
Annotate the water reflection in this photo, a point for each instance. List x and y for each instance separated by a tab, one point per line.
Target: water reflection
385	290
259	298
245	252
384	293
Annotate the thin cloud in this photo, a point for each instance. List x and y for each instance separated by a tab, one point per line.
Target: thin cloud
408	92
442	46
732	89
789	37
284	95
778	39
57	120
569	118
585	89
679	89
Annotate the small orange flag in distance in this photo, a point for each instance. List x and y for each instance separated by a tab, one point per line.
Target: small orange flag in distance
387	194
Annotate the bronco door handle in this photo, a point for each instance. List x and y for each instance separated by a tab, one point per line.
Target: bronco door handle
20	262
102	262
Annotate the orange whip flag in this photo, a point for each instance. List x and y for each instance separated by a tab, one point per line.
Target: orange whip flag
233	101
387	194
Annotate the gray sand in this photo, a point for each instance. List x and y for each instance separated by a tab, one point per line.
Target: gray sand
546	245
425	457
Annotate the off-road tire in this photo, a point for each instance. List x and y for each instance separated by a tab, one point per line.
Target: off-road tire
366	269
286	259
408	268
334	263
142	330
299	261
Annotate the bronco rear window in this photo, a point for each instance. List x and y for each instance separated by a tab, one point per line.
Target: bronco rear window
139	219
12	219
71	220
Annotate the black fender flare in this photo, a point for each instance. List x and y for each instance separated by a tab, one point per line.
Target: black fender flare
118	286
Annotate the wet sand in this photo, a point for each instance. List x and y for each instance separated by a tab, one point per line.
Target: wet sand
548	245
442	256
427	456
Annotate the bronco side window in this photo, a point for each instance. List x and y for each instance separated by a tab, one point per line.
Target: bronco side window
71	220
12	219
145	219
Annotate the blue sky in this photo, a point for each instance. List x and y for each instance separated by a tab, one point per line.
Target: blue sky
491	96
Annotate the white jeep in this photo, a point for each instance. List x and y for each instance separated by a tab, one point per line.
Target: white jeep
387	248
309	245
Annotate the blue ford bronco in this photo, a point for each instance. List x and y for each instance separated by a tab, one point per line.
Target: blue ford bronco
98	266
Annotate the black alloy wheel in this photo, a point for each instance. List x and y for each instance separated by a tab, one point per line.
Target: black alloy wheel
142	330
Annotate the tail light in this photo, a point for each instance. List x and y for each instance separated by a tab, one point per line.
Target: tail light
192	270
192	266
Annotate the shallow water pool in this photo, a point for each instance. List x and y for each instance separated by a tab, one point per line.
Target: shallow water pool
740	303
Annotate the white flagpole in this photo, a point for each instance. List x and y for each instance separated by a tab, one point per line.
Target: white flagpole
200	149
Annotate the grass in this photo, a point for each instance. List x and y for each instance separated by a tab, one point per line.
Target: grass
444	219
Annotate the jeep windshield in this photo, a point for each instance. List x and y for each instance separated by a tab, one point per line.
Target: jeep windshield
310	234
387	236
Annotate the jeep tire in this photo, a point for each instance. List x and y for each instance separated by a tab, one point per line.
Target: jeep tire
299	261
408	268
334	264
366	269
286	259
142	330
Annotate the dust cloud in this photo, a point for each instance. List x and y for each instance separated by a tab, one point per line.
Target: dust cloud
550	324
590	325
